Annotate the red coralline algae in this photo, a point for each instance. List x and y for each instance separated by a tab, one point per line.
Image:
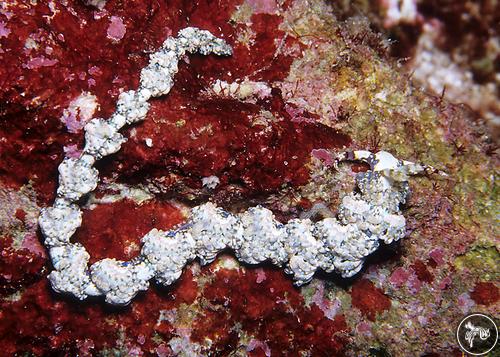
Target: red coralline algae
259	62
436	257
422	272
39	322
20	214
13	278
485	293
233	148
262	151
114	230
369	299
273	312
186	289
224	141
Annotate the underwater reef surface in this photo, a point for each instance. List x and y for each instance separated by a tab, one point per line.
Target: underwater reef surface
306	80
452	48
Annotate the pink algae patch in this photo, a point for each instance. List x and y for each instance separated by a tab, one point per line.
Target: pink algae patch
4	31
324	155
364	328
328	307
72	151
38	62
163	350
445	283
299	115
414	284
399	277
261	275
437	256
116	30
254	345
263	6
465	303
79	112
33	245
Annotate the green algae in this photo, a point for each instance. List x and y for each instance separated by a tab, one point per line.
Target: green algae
477	193
480	261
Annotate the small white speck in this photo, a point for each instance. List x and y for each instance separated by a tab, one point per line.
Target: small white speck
149	142
211	182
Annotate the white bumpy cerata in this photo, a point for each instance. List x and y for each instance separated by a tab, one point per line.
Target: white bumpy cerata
300	246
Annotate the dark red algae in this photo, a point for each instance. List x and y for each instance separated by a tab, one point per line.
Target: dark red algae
222	140
18	267
56	53
114	230
422	272
271	310
485	293
369	299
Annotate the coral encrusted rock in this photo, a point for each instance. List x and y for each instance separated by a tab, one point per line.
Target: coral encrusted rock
268	156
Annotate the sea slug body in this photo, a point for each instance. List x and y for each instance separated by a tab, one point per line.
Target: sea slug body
300	246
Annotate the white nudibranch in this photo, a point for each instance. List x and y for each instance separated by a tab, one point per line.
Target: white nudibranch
300	246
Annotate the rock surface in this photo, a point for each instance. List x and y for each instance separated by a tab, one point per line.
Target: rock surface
305	81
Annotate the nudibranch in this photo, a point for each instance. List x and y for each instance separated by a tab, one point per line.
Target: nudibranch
366	218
